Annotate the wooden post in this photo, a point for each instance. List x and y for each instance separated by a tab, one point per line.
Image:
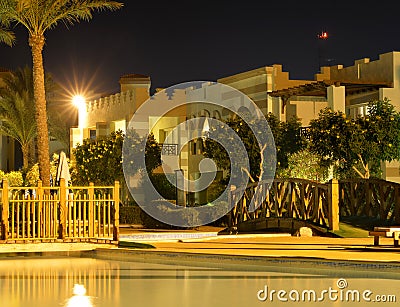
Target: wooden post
397	204
116	212
368	198
40	226
382	207
352	198
91	210
232	223
334	204
316	206
4	212
62	224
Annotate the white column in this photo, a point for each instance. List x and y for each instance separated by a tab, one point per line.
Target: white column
337	98
76	137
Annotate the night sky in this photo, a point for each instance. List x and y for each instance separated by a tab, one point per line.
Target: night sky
179	41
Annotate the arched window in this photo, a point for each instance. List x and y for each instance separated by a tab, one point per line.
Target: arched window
216	114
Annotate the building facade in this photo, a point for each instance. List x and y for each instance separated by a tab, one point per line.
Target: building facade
349	90
346	89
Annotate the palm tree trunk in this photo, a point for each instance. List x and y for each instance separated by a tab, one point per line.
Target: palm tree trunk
36	43
32	151
25	155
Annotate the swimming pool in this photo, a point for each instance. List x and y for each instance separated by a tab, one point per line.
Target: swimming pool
151	280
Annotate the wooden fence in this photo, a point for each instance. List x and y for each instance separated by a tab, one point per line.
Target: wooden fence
287	198
371	198
59	213
320	204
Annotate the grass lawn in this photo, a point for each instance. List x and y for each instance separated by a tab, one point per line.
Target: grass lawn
350	231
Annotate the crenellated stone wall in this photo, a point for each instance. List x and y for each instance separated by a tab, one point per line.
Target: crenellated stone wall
111	108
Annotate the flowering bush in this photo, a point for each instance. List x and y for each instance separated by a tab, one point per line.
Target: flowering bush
304	165
14	178
100	161
32	176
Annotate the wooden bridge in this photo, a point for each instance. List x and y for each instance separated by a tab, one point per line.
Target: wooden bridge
292	203
283	203
59	214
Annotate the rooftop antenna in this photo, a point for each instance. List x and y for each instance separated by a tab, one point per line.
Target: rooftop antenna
322	49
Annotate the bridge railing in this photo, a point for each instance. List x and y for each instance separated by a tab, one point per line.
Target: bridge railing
59	213
287	198
372	198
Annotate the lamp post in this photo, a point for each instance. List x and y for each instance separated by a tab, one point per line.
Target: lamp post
80	103
77	134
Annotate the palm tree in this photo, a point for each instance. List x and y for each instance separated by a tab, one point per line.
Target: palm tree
37	16
16	109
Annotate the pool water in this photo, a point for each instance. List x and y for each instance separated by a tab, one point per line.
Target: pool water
75	281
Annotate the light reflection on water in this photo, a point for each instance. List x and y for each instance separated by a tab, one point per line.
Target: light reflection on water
79	297
51	282
73	282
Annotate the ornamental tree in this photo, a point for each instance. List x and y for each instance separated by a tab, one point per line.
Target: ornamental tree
286	135
288	139
100	161
359	144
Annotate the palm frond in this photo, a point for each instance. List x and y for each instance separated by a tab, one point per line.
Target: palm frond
14	12
37	16
17	106
71	12
7	37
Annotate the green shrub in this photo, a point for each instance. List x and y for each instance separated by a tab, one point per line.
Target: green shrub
163	186
304	165
14	178
187	215
32	176
100	161
130	214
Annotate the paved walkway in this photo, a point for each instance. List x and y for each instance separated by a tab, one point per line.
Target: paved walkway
270	245
260	245
354	249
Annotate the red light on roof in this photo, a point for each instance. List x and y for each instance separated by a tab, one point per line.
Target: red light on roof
323	35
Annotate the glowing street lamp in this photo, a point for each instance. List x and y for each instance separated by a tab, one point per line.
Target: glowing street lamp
80	103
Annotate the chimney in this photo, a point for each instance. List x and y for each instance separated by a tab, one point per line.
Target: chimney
134	81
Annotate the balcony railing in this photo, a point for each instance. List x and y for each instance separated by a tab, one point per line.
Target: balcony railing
169	149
